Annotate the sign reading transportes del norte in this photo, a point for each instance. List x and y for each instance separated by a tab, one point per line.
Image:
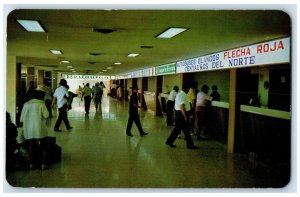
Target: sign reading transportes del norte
271	52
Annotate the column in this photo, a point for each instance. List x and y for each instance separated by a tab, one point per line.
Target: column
11	70
232	111
40	77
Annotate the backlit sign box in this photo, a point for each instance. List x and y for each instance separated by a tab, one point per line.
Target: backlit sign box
271	52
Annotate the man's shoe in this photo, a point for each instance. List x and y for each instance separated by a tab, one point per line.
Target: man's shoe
142	134
192	147
69	128
57	130
129	134
171	145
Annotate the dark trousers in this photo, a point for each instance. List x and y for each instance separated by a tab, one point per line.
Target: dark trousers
48	105
181	124
62	116
136	119
170	108
87	103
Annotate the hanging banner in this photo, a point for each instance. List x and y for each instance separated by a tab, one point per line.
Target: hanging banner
93	77
271	52
166	69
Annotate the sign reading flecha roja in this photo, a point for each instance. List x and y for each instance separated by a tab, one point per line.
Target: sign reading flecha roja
100	77
271	52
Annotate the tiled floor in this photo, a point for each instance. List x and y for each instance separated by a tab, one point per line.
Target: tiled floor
98	154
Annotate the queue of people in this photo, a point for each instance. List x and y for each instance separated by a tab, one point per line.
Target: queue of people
195	112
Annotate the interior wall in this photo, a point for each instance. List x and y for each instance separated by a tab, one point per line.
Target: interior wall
218	78
169	81
151	84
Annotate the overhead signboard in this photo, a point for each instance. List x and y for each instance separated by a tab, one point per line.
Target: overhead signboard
91	77
166	69
271	52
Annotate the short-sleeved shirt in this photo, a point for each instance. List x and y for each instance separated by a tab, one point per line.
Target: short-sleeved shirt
60	93
172	95
191	95
202	99
181	98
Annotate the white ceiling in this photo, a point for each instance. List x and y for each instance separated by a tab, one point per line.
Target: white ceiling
71	31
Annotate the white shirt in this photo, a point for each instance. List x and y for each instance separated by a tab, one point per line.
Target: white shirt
33	116
172	95
202	99
181	99
60	94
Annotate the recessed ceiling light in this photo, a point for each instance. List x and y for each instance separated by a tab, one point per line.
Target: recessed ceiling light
146	47
104	31
55	52
109	67
69	66
65	61
72	69
104	70
95	54
117	63
133	55
171	32
31	25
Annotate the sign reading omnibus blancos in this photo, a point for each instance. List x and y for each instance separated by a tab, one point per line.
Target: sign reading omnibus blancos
271	52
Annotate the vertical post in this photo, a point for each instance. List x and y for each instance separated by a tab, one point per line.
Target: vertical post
141	91
30	76
232	111
40	77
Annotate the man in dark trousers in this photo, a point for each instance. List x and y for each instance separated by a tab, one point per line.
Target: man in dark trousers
134	114
60	97
182	108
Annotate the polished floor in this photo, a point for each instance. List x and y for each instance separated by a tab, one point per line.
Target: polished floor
98	154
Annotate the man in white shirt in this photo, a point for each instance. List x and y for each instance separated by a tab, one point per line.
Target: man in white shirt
182	108
60	96
201	110
170	105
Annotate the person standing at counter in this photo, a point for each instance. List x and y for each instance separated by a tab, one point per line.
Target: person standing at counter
191	95
182	108
170	105
134	114
215	94
201	111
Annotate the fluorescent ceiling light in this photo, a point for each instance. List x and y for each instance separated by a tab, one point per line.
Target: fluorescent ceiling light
31	25
104	70
100	72
171	32
133	55
65	61
117	63
69	66
74	71
55	52
109	67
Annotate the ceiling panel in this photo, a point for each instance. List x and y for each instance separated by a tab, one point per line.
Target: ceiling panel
72	32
